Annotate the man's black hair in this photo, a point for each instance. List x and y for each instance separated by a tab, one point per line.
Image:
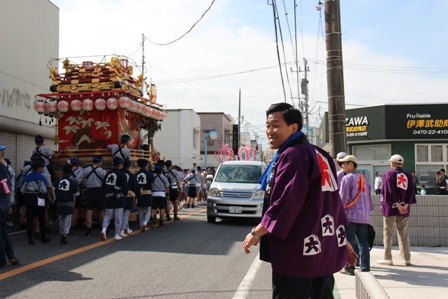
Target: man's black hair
36	165
291	115
142	162
127	163
67	168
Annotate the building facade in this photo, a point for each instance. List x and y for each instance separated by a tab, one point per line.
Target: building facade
418	132
179	139
29	38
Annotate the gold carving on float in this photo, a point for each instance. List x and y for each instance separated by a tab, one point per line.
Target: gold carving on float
85	86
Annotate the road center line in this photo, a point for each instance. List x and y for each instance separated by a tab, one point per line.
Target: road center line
71	253
246	284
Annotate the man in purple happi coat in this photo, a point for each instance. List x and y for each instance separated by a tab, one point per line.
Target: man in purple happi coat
303	223
397	195
355	192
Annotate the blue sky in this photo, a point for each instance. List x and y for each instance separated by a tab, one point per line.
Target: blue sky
393	51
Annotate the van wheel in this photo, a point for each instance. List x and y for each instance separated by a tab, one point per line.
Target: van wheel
211	219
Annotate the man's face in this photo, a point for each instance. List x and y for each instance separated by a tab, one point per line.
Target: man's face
347	166
277	130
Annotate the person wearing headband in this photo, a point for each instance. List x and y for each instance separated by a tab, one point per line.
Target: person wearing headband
45	152
145	180
92	176
121	150
115	189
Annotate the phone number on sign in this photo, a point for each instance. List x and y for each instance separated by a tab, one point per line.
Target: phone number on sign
430	132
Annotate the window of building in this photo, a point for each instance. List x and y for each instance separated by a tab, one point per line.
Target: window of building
227	137
195	138
372	152
430	158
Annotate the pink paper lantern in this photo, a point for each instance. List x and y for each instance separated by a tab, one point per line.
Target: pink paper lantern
39	106
87	105
112	103
140	108
63	106
124	102
100	104
76	105
145	111
51	106
132	106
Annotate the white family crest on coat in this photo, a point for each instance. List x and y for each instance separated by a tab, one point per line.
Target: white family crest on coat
111	179
311	245
141	179
64	185
340	233
327	225
402	181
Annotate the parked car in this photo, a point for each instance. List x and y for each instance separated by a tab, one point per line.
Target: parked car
235	191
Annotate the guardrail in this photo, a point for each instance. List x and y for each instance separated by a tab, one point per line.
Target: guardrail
428	221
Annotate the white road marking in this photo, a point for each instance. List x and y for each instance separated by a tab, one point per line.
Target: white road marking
245	285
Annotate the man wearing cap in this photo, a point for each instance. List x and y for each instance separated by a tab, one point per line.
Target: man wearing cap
66	191
121	150
378	183
35	188
191	180
397	196
5	209
76	170
160	194
115	189
355	192
130	198
93	176
20	197
145	180
45	152
174	181
442	183
340	174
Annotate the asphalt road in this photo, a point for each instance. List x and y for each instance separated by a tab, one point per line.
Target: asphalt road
186	259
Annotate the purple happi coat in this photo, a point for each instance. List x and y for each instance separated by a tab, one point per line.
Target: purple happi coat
304	215
398	188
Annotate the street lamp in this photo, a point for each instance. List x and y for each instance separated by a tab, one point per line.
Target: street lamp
213	134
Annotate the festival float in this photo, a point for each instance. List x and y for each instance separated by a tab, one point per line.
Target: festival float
92	104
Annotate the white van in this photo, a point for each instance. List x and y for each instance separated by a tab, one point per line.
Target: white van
235	191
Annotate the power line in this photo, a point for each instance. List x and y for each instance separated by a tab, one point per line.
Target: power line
276	45
177	39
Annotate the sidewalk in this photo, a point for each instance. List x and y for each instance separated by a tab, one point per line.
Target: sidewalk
426	278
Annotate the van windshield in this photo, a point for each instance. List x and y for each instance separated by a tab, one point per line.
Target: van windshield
238	174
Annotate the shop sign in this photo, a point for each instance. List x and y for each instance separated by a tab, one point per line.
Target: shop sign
356	126
425	124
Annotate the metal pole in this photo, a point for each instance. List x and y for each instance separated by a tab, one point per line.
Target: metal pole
143	64
335	78
239	122
205	150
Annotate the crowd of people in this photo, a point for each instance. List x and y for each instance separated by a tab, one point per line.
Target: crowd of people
154	192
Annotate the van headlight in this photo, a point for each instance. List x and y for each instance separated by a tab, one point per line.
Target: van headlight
259	194
214	192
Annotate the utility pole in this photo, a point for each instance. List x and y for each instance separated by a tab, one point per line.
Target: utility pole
304	89
239	121
335	78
